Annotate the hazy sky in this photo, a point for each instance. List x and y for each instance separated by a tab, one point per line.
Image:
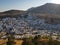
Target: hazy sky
20	4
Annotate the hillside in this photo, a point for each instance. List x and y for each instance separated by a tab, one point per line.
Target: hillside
12	13
30	21
49	11
48	8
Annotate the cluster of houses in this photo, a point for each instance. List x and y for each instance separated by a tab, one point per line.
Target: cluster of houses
54	34
26	27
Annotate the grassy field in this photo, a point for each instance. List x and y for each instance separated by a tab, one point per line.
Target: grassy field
4	41
18	42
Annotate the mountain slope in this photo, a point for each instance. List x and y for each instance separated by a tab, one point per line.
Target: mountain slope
12	13
48	8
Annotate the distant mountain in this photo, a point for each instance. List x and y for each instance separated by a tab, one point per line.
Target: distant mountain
12	13
48	8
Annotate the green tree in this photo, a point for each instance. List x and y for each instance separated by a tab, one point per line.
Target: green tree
27	41
10	39
36	40
50	42
56	42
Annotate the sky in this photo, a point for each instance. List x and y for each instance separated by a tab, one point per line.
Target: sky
20	4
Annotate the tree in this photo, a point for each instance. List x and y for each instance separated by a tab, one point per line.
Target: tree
36	40
50	42
10	39
27	41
